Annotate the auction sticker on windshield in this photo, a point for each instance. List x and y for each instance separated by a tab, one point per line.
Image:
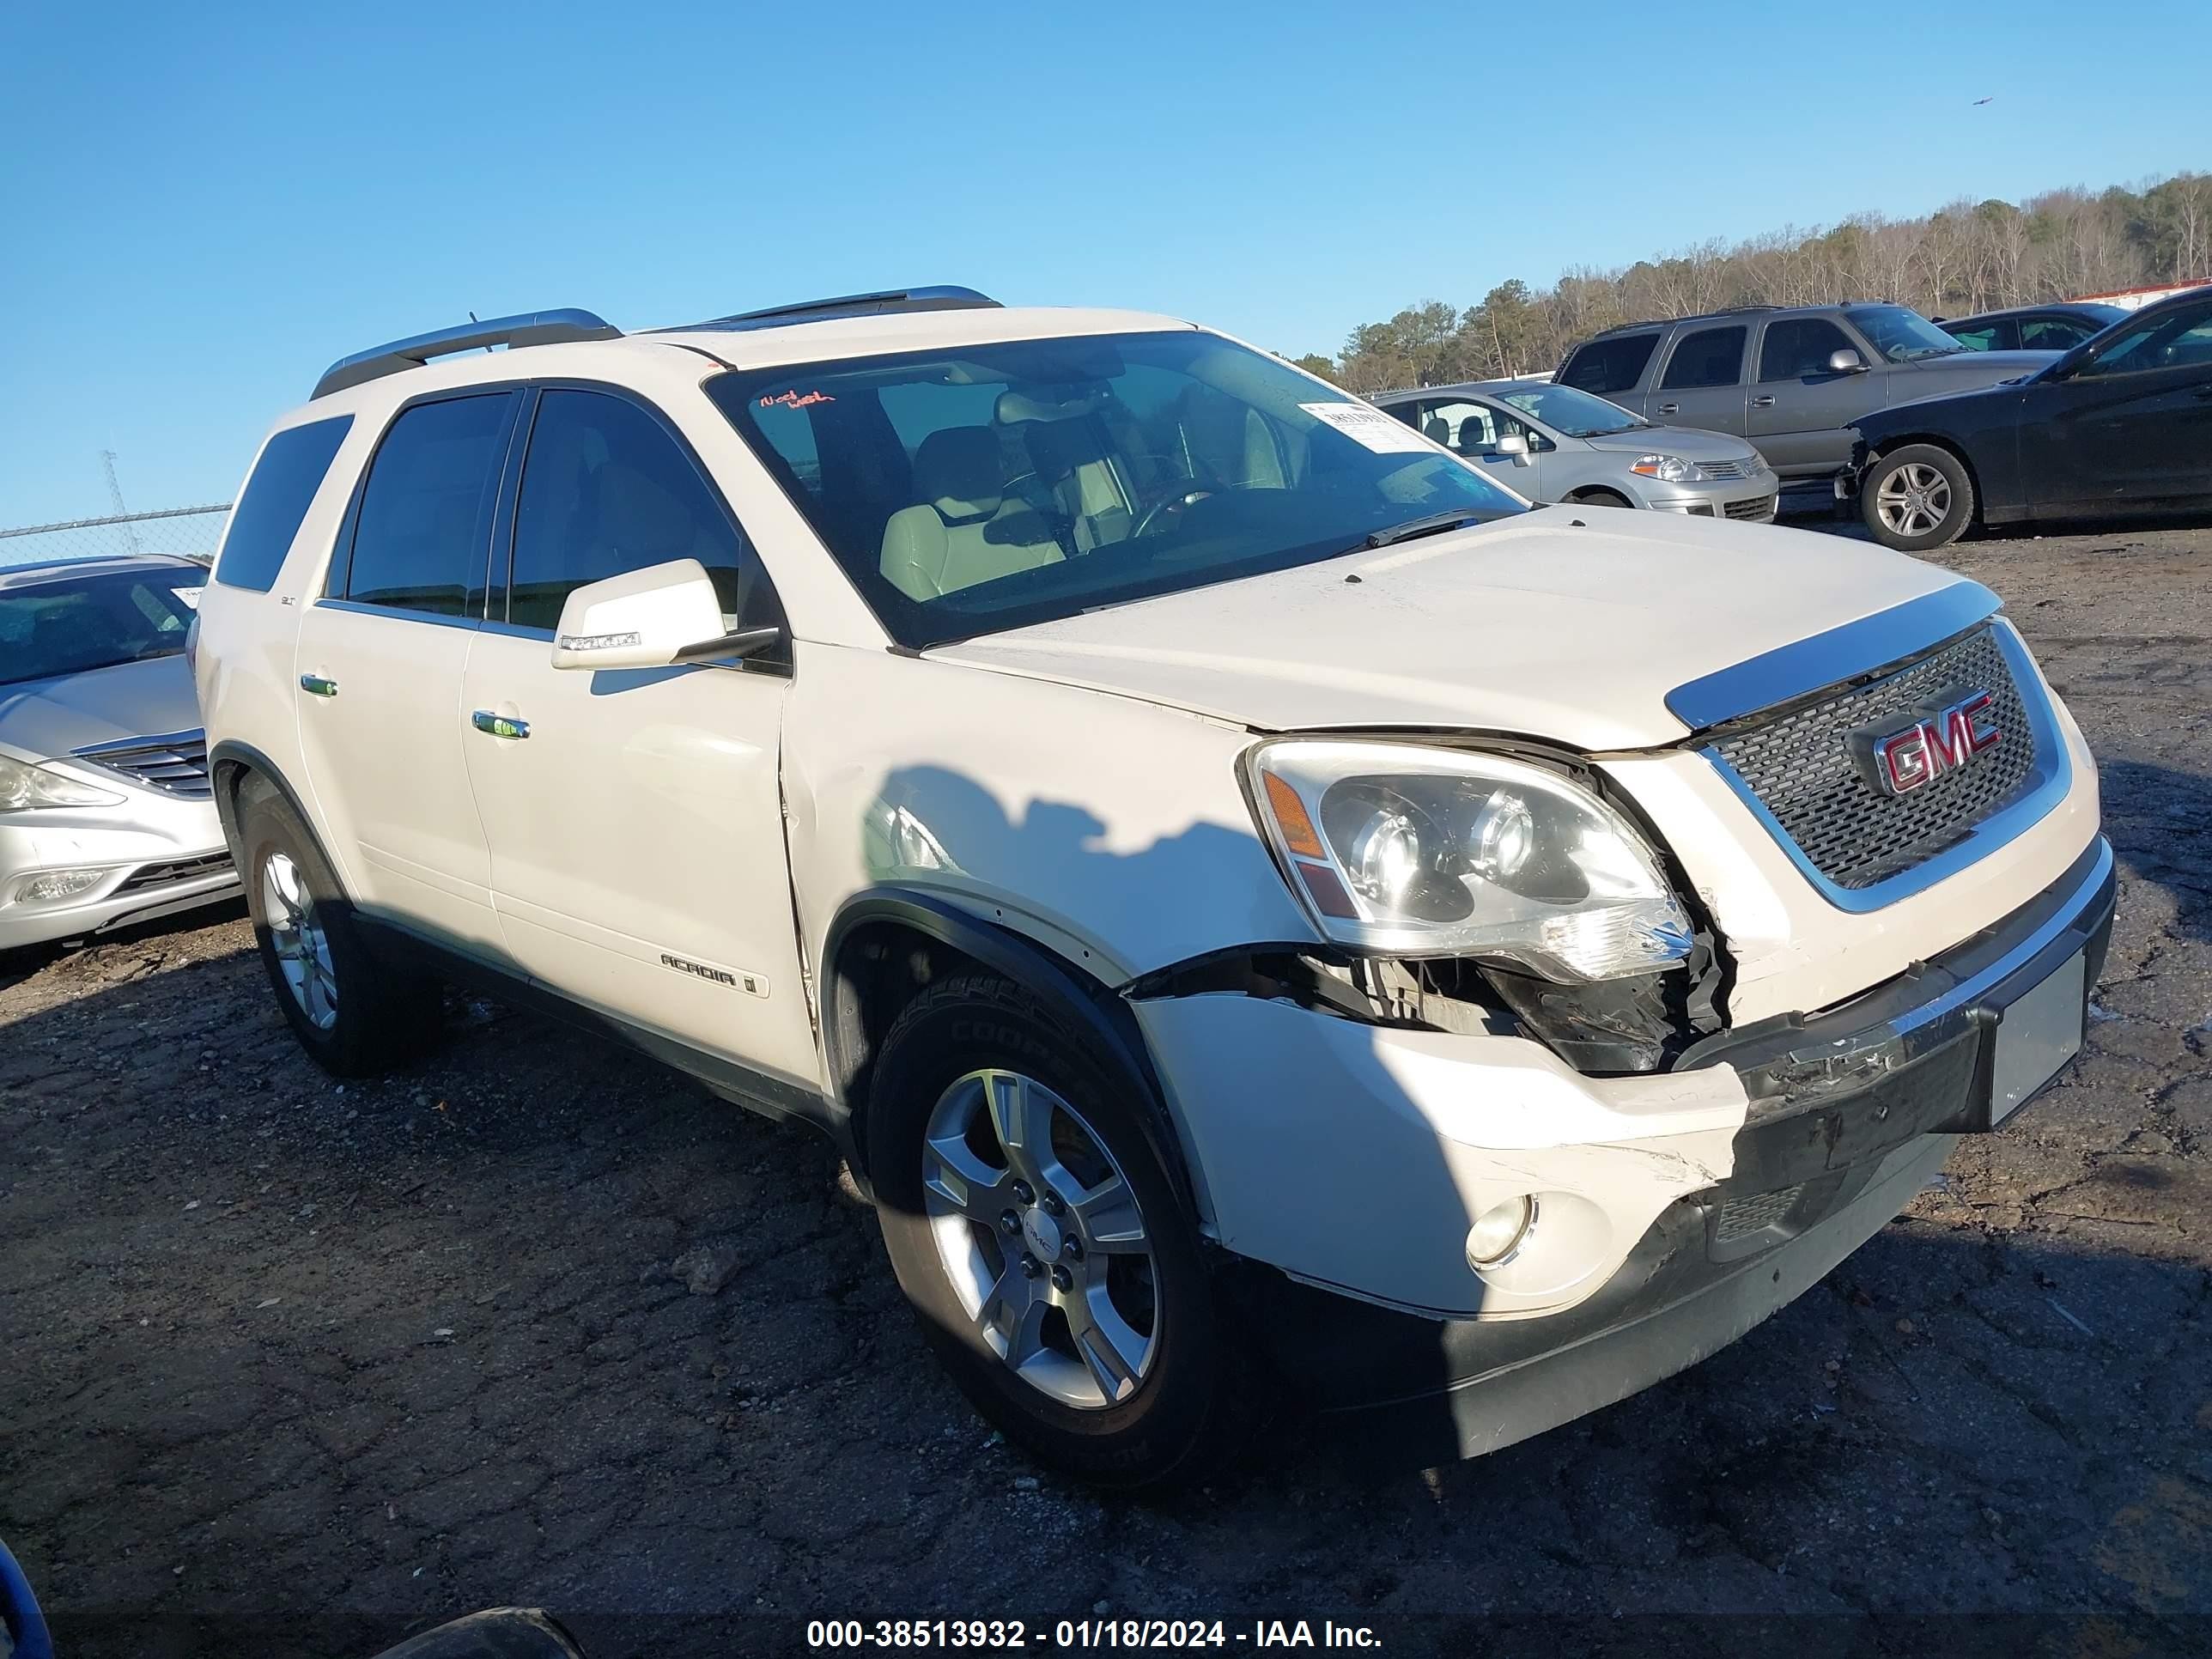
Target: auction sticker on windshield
1383	434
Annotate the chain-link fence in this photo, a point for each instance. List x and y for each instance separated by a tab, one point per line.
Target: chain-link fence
192	532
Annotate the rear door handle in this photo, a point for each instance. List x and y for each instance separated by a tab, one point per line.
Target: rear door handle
510	726
1767	402
1670	408
316	686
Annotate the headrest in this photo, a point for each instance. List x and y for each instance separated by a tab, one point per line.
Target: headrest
956	471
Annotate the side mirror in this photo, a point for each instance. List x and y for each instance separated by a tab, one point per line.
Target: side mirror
1846	361
655	618
1513	444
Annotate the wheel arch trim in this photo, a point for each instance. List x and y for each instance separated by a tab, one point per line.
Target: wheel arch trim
1093	1014
232	752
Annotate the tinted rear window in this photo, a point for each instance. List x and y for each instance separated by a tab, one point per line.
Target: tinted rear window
1609	366
284	480
422	539
1711	356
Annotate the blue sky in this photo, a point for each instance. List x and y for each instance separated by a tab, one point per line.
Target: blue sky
206	204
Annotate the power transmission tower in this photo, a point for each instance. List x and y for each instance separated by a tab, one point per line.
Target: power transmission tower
115	494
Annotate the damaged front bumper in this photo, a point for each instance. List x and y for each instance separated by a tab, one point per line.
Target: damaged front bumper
1767	1157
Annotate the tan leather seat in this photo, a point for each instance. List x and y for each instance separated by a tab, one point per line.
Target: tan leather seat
965	531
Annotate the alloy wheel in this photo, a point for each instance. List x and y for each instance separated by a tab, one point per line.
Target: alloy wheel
298	938
1041	1234
1914	500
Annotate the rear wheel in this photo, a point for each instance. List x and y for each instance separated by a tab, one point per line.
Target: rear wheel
354	1016
1042	1243
1917	498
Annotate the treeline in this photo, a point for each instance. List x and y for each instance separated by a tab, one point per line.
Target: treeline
1968	257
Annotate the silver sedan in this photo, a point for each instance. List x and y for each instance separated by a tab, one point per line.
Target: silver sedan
106	814
1552	443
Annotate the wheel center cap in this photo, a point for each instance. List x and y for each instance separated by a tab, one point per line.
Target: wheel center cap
1041	1234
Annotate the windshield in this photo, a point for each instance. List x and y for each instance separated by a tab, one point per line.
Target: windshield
69	625
982	488
1575	413
1900	335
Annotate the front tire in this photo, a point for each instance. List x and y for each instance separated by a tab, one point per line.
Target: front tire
1598	498
1917	498
355	1016
1031	1224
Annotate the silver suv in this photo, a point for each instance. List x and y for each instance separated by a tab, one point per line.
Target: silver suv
1791	380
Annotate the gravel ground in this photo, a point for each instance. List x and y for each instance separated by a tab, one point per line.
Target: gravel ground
301	1369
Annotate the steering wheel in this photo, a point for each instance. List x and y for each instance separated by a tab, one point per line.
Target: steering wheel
1165	505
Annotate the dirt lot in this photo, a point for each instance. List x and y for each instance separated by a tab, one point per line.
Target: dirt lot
298	1369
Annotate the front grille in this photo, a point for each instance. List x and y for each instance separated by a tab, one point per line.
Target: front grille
175	872
1721	471
176	764
1802	767
1757	507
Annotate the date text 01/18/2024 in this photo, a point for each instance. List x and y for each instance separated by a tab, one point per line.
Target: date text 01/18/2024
927	1634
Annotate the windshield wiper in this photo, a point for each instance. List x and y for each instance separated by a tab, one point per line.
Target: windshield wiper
1435	524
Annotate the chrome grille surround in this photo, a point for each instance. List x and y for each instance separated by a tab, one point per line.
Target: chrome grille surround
175	763
1862	849
1725	469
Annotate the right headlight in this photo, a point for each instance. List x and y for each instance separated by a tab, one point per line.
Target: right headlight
1411	851
1667	469
23	785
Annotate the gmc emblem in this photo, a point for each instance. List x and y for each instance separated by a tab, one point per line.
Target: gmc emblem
1900	762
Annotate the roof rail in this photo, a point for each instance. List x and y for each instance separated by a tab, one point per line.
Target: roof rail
531	328
940	298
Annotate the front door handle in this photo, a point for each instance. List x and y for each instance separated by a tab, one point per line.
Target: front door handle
1765	402
1670	408
316	686
510	726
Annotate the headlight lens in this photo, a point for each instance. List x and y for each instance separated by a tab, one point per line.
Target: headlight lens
1668	469
23	785
1419	851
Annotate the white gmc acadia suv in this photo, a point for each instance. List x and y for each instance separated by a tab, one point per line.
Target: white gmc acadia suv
1266	913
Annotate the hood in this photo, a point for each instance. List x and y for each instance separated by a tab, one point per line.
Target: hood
52	717
1528	625
1692	443
1975	368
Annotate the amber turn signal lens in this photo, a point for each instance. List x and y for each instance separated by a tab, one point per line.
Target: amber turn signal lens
1290	818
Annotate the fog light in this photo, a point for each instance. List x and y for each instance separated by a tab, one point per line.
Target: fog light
1499	1232
57	885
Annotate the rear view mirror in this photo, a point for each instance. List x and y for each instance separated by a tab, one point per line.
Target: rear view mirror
655	618
1515	445
1846	361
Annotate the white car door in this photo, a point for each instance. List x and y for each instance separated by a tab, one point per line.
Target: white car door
380	660
634	816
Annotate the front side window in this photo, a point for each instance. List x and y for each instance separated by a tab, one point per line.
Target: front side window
1798	348
607	489
975	489
1711	356
1468	428
1899	335
2055	333
422	534
276	498
1606	367
72	625
2179	339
